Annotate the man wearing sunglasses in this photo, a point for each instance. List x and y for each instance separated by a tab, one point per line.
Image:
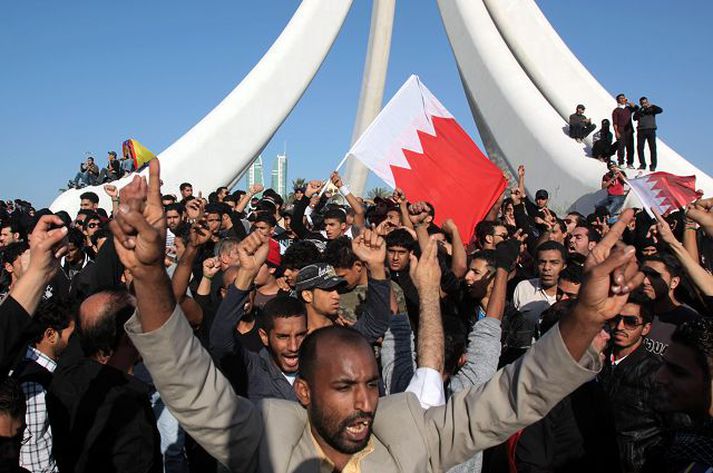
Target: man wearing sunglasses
628	381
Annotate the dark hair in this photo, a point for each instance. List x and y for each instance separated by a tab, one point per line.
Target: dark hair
620	95
562	225
299	254
267	218
105	333
15	226
486	255
308	350
454	334
698	336
75	237
552	246
572	273
485	228
592	233
554	313
12	399
281	307
230	198
402	238
90	196
673	266
605	125
99	234
645	304
220	189
175	206
339	253
643	98
184	185
54	313
13	251
336	214
217	208
273	196
170	197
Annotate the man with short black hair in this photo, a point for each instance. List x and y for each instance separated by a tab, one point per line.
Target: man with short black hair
76	258
582	240
12	425
53	324
87	175
628	380
533	296
579	125
489	233
400	246
663	275
301	253
11	231
89	201
186	190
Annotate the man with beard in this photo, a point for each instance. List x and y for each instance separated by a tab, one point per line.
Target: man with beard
663	275
337	424
628	381
684	386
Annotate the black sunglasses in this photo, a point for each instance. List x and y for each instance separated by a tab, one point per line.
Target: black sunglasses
630	321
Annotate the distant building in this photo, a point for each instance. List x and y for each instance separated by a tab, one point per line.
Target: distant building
254	174
279	175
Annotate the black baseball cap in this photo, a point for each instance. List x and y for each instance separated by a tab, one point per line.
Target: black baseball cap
542	194
113	153
320	276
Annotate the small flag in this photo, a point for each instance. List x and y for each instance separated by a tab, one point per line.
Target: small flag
137	152
664	191
416	144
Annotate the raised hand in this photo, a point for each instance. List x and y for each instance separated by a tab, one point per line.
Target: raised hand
418	212
521	171
398	196
255	189
199	234
449	227
516	196
700	212
111	191
252	253
194	209
370	247
336	180
47	245
663	229
425	271
610	274
313	187
139	226
211	266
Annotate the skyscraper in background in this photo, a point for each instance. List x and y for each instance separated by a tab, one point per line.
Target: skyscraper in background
279	175
254	174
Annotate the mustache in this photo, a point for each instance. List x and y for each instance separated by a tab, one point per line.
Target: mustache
355	417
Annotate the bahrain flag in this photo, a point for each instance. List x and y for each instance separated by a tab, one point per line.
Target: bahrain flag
663	191
136	152
416	145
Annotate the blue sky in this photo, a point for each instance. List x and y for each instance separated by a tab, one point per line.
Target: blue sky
85	75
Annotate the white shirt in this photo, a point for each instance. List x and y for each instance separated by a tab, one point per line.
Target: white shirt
427	385
531	299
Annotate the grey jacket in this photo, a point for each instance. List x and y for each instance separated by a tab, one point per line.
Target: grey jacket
274	434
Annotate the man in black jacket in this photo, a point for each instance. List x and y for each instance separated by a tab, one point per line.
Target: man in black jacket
628	380
100	415
646	131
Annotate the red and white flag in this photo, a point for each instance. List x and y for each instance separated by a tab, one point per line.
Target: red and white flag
663	191
416	145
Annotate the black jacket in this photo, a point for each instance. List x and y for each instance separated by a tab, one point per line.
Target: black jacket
630	389
101	418
15	324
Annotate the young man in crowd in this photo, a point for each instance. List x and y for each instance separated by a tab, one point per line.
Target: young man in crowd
89	201
663	276
11	231
488	234
186	191
628	381
582	240
53	324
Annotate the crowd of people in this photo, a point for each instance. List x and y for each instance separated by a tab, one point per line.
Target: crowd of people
604	146
244	332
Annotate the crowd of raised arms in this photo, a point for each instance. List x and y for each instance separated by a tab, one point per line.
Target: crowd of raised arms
320	332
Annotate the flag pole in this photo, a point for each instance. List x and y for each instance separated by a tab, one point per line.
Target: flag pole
339	166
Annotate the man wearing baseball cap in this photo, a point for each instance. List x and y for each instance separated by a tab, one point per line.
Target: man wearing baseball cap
318	286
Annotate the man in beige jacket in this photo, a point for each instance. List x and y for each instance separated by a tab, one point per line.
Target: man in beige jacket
340	423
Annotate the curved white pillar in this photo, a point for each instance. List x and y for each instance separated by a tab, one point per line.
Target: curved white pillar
372	87
564	80
220	146
515	121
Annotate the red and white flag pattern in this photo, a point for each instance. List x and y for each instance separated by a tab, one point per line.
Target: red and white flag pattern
416	144
663	191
